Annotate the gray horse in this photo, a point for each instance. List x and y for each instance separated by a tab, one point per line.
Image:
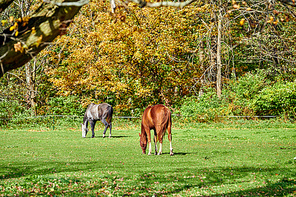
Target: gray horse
102	112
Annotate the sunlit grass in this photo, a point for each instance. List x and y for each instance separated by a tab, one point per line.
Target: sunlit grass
252	158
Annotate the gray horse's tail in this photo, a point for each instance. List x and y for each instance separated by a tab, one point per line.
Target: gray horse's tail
109	114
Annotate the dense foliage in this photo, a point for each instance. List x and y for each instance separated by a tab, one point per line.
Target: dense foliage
251	95
137	57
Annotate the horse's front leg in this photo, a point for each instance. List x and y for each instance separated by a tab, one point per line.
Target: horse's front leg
92	125
149	142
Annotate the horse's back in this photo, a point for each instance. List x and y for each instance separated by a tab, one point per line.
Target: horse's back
105	107
161	116
156	116
105	110
97	112
159	112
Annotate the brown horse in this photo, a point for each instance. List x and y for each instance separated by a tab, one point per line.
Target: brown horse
157	118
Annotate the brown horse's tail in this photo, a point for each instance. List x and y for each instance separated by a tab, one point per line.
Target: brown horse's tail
167	124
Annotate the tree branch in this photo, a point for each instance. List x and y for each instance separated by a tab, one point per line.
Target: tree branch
143	3
75	3
289	2
34	34
19	44
4	4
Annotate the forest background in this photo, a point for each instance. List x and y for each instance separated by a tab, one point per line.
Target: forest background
207	60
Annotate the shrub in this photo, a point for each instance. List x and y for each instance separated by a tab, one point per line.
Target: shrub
65	106
252	94
12	111
240	92
279	99
204	108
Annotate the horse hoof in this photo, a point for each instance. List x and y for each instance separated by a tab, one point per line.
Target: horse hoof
171	154
159	153
92	136
110	136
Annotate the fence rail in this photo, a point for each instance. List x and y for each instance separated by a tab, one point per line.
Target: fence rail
70	116
54	118
128	117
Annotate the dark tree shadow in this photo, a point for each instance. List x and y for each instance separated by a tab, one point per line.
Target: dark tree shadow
203	177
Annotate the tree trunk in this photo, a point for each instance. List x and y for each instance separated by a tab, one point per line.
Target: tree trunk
219	64
30	83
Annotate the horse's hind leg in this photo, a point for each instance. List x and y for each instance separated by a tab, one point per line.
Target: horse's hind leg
110	127
160	145
159	137
171	147
106	126
170	139
155	142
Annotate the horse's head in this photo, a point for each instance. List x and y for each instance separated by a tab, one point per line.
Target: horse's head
143	142
84	130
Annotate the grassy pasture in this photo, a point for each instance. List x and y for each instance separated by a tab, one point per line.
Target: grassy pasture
242	158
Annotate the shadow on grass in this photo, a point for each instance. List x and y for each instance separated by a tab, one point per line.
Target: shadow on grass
113	136
226	179
191	180
283	187
120	136
176	153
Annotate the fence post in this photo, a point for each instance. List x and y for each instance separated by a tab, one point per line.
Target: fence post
52	122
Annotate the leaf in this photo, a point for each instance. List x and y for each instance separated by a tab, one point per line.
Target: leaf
18	47
242	21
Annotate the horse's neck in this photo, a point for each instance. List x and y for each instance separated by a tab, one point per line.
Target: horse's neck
85	120
143	133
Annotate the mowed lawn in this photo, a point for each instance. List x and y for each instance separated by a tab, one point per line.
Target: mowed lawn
242	158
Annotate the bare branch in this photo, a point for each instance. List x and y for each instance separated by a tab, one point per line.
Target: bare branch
143	3
289	2
113	6
75	3
4	4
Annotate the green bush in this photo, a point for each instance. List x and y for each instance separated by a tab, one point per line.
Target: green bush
252	94
279	99
239	93
65	106
205	108
12	111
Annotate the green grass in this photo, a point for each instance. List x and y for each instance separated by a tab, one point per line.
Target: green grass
242	158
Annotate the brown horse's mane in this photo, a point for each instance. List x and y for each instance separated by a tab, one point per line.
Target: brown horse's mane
143	133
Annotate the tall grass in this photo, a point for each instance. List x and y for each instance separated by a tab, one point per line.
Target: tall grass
235	158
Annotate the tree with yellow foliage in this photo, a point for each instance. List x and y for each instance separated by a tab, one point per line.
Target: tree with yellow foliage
28	36
134	57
